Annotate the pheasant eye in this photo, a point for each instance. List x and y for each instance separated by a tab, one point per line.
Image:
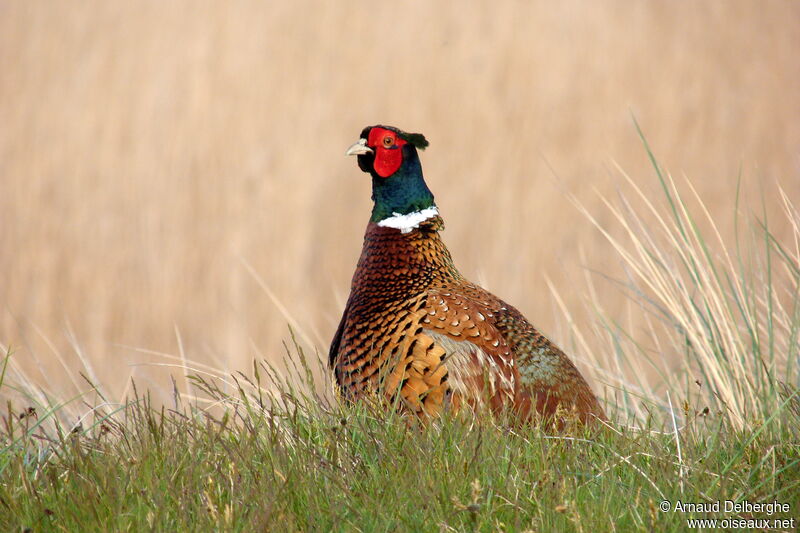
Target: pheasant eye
388	141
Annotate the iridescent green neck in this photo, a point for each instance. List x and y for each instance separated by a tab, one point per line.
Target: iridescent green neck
403	192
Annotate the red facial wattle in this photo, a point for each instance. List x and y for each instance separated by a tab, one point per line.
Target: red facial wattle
388	151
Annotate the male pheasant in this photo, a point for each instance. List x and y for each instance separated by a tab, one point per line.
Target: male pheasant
414	329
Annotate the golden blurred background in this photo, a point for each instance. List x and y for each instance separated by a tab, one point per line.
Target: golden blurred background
172	176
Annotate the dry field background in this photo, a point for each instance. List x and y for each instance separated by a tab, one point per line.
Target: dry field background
151	151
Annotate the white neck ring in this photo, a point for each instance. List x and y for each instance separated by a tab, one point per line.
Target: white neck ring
405	223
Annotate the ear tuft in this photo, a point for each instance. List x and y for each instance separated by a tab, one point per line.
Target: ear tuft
417	139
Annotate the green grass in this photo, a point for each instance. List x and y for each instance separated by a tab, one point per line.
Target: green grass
257	451
304	467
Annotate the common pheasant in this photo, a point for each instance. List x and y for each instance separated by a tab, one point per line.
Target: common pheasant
414	329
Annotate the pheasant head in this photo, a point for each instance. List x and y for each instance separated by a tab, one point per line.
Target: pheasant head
399	191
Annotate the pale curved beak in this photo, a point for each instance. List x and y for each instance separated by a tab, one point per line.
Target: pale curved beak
359	148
